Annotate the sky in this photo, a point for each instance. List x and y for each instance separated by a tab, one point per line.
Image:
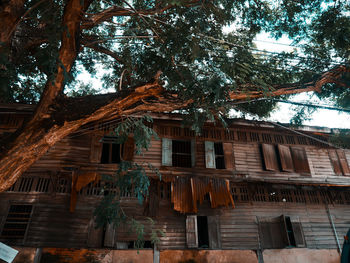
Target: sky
284	112
321	117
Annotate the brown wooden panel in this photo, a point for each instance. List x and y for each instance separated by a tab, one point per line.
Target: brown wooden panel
286	158
335	162
343	162
284	233
191	232
265	235
95	235
228	153
129	149
109	240
270	157
298	234
214	232
301	164
96	149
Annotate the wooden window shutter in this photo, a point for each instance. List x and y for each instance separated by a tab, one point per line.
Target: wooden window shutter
335	162
270	157
193	153
95	148
167	158
214	232
228	153
110	234
129	149
265	235
95	235
284	232
343	162
209	154
191	232
286	158
301	164
298	234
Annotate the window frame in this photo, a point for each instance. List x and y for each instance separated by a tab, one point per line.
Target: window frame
268	226
213	228
211	155
20	241
283	158
339	162
167	152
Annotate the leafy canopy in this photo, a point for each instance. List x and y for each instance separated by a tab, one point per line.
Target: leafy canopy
187	41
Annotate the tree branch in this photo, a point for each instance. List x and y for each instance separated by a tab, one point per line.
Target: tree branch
67	55
93	20
331	76
36	140
101	49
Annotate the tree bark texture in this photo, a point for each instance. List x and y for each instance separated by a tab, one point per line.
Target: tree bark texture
36	140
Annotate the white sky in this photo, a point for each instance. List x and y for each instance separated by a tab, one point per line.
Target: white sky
321	117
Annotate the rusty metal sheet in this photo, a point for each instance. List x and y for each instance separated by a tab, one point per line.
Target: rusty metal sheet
186	192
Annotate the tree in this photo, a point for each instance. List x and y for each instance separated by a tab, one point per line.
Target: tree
161	56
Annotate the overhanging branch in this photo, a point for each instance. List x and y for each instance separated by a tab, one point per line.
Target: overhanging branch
331	76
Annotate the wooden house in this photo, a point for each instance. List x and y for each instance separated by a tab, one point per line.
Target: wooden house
251	192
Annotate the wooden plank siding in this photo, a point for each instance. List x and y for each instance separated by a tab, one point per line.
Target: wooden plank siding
53	225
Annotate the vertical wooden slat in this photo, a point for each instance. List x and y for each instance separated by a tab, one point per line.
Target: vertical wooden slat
214	232
301	164
228	154
193	153
335	162
298	234
95	149
209	154
343	162
129	149
194	195
265	235
286	158
109	235
95	235
270	157
167	152
191	231
284	231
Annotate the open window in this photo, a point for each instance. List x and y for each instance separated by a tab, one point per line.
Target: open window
280	232
218	155
284	158
178	153
339	162
108	150
203	232
17	222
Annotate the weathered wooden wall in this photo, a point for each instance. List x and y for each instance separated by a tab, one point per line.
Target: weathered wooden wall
52	225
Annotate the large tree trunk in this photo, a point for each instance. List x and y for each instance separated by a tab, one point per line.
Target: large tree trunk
10	14
36	140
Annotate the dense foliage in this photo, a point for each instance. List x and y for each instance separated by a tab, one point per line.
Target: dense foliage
186	40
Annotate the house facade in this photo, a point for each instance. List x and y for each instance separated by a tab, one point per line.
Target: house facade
250	192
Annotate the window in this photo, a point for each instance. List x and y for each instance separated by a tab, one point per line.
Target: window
339	162
203	232
280	232
218	155
108	150
178	153
17	221
284	158
110	153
